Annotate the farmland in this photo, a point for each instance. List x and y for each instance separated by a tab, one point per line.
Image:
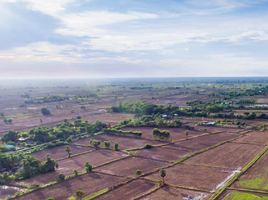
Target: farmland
111	140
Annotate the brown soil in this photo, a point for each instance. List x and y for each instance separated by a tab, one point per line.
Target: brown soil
62	191
200	177
67	166
6	191
125	142
202	142
229	155
254	137
129	191
257	171
59	152
173	193
129	166
175	133
163	154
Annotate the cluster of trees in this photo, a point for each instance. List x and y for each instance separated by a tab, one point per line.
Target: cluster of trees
163	135
60	131
107	144
45	111
47	99
121	132
20	166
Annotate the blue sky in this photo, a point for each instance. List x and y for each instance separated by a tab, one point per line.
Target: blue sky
133	38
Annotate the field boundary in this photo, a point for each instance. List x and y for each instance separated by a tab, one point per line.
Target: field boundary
234	178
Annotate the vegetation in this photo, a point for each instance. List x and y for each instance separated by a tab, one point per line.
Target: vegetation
163	173
45	111
88	167
162	135
116	146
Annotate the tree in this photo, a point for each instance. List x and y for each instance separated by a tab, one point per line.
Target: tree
116	146
61	177
138	172
96	143
68	150
90	129
75	172
45	111
50	198
107	144
83	107
163	173
186	134
79	194
69	140
88	167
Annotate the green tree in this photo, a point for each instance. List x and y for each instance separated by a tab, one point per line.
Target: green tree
186	134
107	144
45	111
163	173
68	150
61	177
79	194
75	172
96	143
50	198
69	140
88	167
116	146
138	172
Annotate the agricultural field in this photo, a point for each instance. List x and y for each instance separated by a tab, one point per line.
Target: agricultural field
229	155
88	119
124	142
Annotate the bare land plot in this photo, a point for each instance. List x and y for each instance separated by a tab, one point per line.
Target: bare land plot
88	183
6	191
255	177
233	195
129	166
254	137
162	154
112	118
125	142
175	133
67	166
202	142
173	193
129	191
200	177
214	129
229	155
59	152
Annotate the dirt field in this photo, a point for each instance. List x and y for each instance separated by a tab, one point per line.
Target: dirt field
200	177
173	193
162	154
254	137
67	166
128	191
255	177
59	152
129	166
6	191
64	190
175	133
124	142
202	142
233	195
229	155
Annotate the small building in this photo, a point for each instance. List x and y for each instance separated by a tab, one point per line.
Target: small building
10	146
29	141
175	115
164	116
207	123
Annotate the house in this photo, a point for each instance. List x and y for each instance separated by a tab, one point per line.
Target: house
29	141
207	123
22	139
175	115
164	116
10	146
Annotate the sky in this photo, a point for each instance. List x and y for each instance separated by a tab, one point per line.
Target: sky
133	38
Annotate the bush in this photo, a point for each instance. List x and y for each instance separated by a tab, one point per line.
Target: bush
138	172
45	111
116	146
61	177
148	146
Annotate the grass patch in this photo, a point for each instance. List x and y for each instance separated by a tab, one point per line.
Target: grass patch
244	196
96	194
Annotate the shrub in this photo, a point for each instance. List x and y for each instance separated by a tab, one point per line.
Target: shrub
61	177
116	146
138	172
45	111
148	146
